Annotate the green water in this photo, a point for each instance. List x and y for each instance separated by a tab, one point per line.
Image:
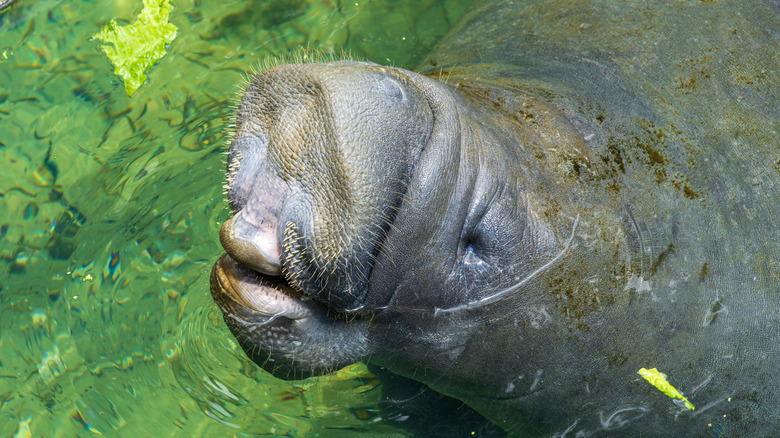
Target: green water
110	213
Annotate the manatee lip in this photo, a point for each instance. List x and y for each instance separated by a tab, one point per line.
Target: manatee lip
258	251
250	276
267	296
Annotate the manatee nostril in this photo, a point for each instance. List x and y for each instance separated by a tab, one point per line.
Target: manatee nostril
254	247
393	89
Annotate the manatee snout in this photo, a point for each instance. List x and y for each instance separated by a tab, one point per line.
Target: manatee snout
320	159
318	166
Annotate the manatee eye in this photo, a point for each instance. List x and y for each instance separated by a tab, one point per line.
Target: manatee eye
477	243
472	260
492	237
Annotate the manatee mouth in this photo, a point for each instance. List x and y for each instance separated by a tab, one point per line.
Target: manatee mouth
266	297
280	328
250	280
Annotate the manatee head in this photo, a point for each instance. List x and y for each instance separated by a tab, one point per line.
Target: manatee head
369	203
321	157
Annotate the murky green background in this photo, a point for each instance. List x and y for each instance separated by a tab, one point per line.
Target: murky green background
110	210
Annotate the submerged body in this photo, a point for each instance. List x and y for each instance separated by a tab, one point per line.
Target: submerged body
569	194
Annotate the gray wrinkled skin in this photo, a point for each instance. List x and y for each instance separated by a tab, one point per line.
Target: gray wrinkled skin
573	191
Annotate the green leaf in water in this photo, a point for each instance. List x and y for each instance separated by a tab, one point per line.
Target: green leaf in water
139	45
658	379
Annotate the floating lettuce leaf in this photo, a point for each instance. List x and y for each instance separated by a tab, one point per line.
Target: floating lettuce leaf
658	380
139	45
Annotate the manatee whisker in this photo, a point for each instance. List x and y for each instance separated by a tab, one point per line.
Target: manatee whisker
248	323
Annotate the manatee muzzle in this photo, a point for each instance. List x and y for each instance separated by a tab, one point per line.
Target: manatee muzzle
320	159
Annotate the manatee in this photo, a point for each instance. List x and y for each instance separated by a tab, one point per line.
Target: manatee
562	194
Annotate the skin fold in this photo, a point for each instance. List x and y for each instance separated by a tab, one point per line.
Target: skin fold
566	193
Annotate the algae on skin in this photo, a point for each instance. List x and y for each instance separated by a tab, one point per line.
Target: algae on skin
658	379
136	47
